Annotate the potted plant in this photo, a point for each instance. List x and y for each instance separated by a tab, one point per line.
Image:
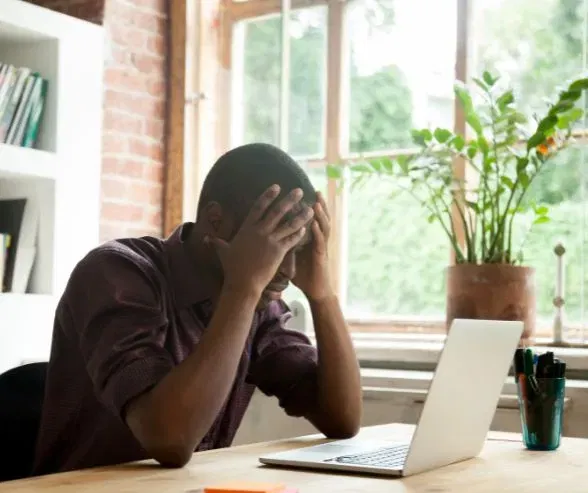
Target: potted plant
503	151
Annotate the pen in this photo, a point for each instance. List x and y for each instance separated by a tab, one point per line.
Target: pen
530	372
519	363
544	365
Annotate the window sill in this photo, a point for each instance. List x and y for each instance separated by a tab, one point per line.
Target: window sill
420	352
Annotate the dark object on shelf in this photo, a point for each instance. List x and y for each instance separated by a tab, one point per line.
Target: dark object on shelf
21	396
11	218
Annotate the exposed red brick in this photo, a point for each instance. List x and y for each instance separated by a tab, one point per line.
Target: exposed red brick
135	85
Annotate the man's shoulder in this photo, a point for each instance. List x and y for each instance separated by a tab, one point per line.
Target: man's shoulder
121	260
146	252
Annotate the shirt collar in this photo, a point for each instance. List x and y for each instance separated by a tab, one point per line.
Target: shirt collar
190	283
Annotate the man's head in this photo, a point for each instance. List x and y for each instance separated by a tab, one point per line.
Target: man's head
233	184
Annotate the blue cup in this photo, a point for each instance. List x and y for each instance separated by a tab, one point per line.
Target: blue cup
541	403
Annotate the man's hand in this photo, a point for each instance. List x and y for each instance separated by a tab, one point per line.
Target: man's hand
312	264
250	260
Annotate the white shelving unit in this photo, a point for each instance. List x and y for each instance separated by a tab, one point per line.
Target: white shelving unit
62	177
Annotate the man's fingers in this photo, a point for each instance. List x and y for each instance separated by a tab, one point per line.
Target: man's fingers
218	243
323	219
261	205
290	227
321	200
275	215
318	237
292	240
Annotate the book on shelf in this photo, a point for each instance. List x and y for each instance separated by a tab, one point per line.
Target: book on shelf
22	100
19	223
4	246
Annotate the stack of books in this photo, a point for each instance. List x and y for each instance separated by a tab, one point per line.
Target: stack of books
22	99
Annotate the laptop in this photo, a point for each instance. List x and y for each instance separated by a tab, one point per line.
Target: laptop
456	416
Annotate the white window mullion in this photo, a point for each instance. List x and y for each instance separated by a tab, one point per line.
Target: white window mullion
583	154
285	77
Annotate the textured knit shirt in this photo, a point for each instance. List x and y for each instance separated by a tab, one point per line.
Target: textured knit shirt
132	310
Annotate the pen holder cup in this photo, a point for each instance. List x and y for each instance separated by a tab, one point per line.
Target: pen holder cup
541	402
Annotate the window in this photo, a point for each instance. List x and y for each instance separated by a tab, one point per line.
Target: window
336	80
539	49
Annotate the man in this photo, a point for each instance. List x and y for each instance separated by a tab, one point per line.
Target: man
159	345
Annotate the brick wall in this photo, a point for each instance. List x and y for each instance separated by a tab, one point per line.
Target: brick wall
134	110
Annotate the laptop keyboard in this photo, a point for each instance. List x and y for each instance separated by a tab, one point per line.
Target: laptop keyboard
389	458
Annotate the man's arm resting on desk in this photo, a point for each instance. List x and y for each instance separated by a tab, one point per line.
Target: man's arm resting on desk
171	419
321	386
339	404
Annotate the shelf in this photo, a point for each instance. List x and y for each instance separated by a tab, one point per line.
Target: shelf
22	162
25	298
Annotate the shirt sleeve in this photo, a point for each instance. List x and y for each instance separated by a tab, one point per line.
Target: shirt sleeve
284	362
117	319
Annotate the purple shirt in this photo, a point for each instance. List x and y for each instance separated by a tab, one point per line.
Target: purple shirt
133	309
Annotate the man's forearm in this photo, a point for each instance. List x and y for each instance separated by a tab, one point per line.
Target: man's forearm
339	410
171	419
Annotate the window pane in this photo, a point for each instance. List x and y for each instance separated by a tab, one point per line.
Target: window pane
397	80
534	49
257	77
396	259
256	81
562	188
308	47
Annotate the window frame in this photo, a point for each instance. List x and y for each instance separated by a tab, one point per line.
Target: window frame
200	65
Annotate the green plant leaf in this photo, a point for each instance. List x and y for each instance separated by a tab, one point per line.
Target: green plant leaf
360	168
474	122
541	220
524	180
488	78
570	95
480	83
442	135
505	99
483	144
473	206
547	124
375	164
431	218
458	142
535	140
403	163
463	95
472	151
522	163
506	181
334	172
421	137
561	106
541	210
579	85
565	120
387	164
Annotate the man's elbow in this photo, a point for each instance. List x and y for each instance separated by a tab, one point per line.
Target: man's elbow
343	430
337	426
161	440
172	456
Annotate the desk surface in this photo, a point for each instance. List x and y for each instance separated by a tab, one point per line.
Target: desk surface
503	466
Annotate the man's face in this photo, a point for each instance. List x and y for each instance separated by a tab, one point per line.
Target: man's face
227	225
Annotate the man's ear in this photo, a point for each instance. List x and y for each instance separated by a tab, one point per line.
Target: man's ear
216	221
213	217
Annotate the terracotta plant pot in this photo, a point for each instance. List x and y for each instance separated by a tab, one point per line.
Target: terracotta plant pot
492	292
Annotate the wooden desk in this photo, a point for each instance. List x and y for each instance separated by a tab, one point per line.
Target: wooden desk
504	466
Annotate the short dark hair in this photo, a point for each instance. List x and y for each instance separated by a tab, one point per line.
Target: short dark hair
242	174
